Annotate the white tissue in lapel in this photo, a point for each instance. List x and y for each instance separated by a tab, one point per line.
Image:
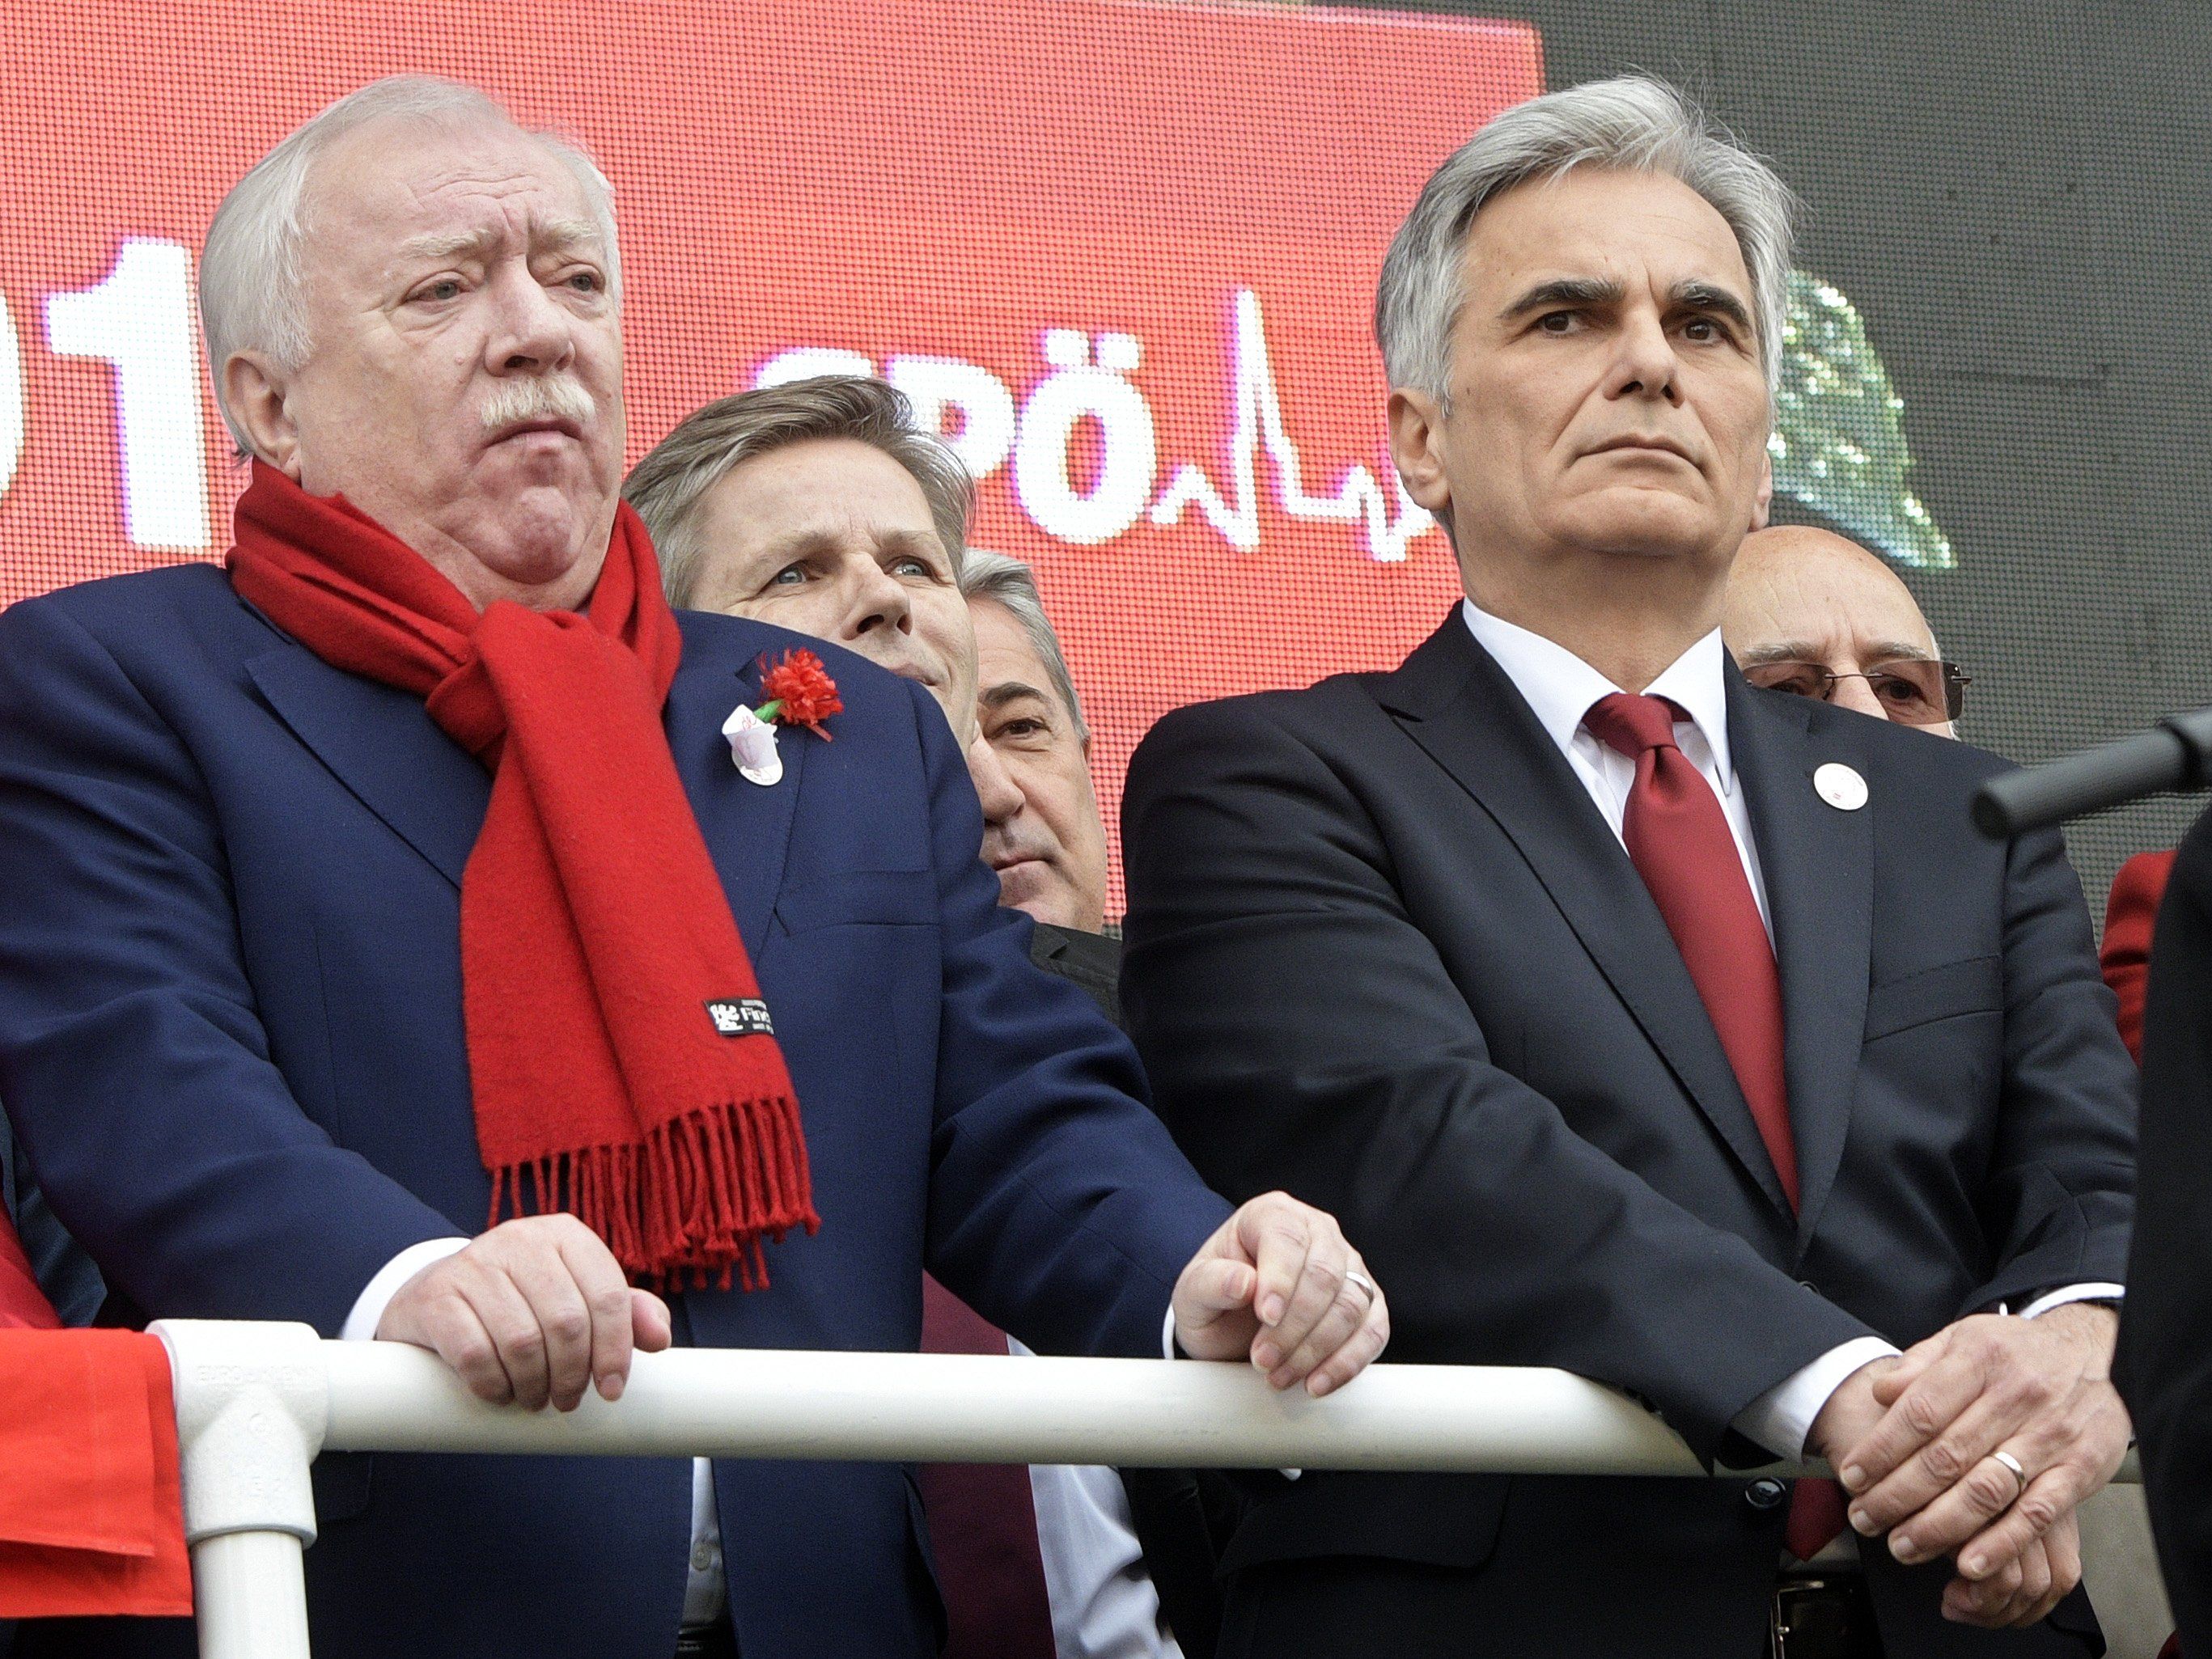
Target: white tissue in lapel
752	746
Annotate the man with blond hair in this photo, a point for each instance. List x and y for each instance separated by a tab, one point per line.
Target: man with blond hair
391	939
1670	1031
818	505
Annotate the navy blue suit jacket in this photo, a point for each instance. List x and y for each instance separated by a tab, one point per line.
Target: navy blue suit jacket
231	1038
1383	951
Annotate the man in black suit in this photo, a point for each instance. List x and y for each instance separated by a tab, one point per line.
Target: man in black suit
2165	1340
1042	833
1638	1022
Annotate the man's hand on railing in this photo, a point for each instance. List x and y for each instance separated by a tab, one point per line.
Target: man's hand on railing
1277	1281
535	1311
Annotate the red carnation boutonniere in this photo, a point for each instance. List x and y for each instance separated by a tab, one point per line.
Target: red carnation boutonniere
799	693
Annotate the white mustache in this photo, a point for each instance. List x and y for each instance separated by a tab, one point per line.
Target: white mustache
554	397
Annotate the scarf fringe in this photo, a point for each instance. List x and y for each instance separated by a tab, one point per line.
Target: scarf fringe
689	1207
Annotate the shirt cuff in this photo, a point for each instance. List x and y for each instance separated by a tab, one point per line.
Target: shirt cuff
1781	1419
376	1296
2086	1292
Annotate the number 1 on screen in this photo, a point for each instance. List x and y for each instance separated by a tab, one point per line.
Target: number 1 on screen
139	318
11	398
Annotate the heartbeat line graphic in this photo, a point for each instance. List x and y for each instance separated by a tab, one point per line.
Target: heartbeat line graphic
1359	499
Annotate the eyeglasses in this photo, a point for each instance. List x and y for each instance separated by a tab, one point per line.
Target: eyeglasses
1913	691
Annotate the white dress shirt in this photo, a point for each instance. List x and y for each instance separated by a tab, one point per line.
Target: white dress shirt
1102	1602
1559	688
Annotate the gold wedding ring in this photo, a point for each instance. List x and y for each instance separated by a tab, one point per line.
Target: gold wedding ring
2018	1473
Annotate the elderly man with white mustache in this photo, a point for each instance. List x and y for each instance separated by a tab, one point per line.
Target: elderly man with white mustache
389	942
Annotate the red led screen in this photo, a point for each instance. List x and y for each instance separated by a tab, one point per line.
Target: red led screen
1122	254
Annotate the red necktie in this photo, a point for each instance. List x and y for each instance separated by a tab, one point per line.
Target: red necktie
1678	841
983	1521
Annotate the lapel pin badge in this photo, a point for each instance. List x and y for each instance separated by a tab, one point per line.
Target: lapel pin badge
1841	786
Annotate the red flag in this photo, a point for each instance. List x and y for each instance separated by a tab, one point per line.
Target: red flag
91	1514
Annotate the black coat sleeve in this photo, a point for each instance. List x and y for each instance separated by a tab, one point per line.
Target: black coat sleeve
1302	1032
2058	1199
2164	1360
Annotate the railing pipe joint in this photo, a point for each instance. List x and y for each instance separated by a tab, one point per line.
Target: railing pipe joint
252	1403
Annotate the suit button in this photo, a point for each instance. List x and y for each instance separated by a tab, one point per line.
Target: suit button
1765	1494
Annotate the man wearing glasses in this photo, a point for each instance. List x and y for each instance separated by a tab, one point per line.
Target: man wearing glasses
1808	612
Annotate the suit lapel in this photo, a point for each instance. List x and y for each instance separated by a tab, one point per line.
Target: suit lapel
1818	863
381	744
1461	708
747	825
388	751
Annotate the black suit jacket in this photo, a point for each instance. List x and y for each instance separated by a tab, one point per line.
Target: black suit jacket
1383	951
1091	961
2165	1366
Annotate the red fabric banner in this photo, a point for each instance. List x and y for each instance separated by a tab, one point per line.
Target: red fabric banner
91	1513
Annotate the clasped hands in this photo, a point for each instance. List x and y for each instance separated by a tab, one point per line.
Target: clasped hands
537	1311
1912	1440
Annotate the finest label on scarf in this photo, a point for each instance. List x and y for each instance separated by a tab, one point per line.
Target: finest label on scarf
740	1017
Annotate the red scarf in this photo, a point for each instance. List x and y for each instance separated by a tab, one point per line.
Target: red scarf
599	962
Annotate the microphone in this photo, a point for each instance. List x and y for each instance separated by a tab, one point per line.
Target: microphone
2175	754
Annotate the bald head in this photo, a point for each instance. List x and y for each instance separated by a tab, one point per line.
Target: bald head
1797	595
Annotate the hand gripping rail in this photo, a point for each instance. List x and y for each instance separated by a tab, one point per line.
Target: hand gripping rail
257	1402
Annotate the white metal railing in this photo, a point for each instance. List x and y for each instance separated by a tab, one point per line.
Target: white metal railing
257	1402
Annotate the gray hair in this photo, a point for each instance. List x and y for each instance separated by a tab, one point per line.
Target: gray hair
1631	125
667	486
250	274
1011	585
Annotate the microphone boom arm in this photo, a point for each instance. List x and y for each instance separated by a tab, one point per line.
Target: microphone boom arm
2175	754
